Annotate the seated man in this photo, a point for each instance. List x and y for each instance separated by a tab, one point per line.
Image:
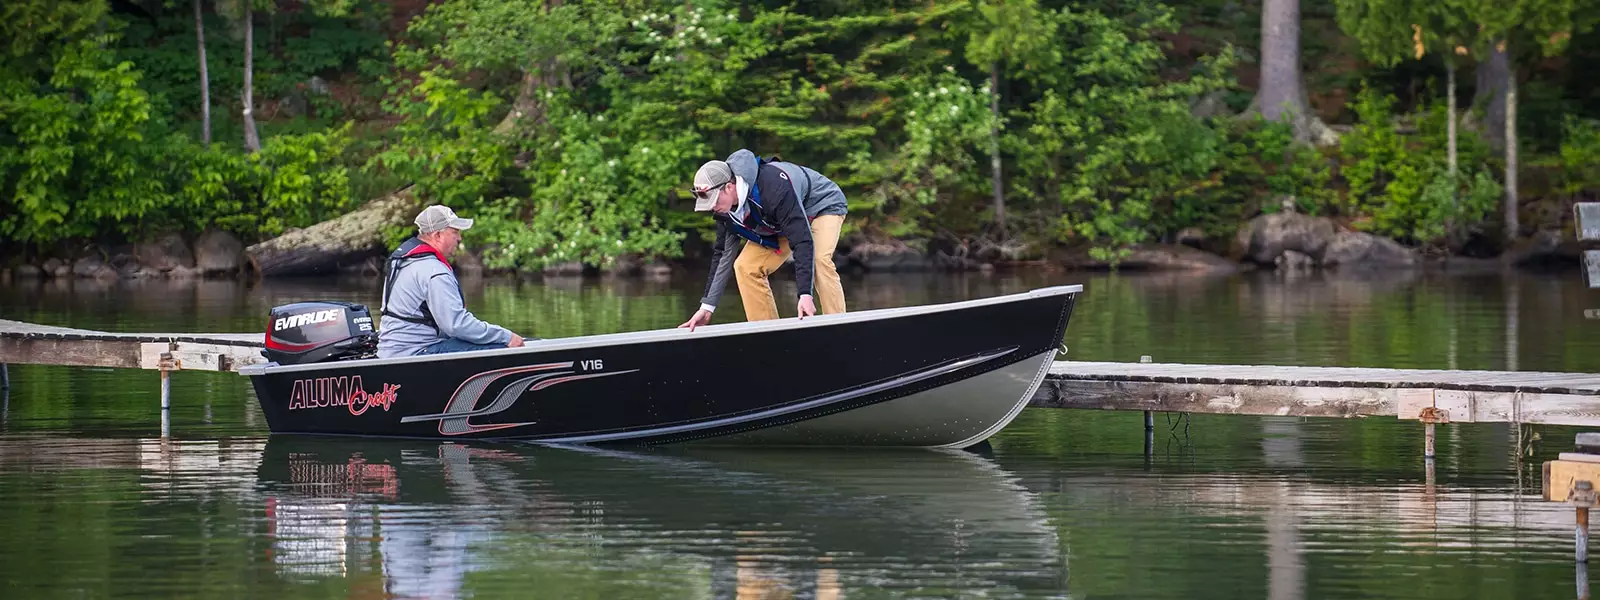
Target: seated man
423	312
764	210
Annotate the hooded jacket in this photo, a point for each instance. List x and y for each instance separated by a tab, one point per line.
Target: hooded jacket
422	305
788	197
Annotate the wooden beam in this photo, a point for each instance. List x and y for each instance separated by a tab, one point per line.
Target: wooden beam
1454	406
1560	474
1591	267
71	353
1587	217
1218	398
199	357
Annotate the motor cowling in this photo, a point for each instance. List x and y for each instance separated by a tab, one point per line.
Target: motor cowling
313	332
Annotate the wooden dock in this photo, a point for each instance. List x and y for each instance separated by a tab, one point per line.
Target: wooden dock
1433	395
29	343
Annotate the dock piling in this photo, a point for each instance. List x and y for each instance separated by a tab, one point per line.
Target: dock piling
1430	416
1582	497
5	377
1149	417
167	365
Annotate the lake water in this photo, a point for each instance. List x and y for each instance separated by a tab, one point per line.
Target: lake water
1062	504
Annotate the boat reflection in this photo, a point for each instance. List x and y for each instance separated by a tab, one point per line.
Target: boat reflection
444	519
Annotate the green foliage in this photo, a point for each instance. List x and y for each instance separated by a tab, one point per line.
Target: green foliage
74	148
1110	140
1579	166
571	129
1402	188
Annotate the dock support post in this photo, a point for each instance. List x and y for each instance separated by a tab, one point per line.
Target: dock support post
1427	432
1583	497
5	377
167	364
1149	418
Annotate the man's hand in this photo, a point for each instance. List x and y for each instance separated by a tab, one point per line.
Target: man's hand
516	341
805	308
701	317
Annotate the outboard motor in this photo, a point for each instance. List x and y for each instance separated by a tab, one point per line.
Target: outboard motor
313	332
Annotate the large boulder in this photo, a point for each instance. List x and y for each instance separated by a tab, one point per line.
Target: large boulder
1266	237
885	257
1357	250
1542	248
218	252
93	267
55	267
26	271
164	253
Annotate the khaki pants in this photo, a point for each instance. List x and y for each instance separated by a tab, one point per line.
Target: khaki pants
755	263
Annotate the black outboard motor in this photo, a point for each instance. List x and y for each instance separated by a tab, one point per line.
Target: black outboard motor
312	332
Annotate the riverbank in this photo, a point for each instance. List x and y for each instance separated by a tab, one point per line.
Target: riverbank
1287	242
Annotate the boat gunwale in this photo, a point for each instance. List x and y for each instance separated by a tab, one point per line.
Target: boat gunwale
663	335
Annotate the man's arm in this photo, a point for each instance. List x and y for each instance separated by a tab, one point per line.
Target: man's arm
791	216
723	253
450	313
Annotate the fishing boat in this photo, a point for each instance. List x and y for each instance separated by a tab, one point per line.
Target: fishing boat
945	375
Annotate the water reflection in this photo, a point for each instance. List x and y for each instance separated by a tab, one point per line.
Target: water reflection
738	524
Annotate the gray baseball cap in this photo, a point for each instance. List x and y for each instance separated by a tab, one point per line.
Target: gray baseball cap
437	217
711	176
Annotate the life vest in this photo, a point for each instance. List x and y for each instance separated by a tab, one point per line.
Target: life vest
754	226
408	253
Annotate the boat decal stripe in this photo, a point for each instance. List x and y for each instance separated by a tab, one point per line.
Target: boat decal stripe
902	380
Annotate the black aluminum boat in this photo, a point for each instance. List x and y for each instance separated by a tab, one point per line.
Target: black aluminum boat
947	375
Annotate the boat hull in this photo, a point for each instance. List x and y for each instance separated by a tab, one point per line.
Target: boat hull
945	375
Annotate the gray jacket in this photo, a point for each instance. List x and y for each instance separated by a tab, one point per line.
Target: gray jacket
430	280
821	195
818	196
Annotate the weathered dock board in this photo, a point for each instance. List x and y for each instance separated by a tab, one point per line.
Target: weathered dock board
1444	396
29	343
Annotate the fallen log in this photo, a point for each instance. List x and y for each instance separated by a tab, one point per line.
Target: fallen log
325	247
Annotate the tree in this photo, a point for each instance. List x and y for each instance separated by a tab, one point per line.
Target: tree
1008	34
205	76
1543	28
1393	30
1282	95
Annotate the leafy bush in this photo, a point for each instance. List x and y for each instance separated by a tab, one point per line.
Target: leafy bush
1401	187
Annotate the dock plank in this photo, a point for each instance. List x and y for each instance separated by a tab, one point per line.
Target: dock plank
1263	375
32	343
1457	396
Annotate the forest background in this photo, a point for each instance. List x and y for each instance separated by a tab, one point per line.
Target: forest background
1010	128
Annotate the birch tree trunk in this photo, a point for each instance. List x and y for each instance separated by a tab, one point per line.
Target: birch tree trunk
205	77
994	148
1512	228
252	141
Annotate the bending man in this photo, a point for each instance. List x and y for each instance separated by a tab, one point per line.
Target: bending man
423	312
765	210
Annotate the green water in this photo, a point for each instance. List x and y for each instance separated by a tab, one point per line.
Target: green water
1062	504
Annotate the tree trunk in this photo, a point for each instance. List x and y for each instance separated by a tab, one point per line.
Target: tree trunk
994	148
252	141
527	104
1492	76
1450	117
205	77
1512	228
1282	94
331	245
